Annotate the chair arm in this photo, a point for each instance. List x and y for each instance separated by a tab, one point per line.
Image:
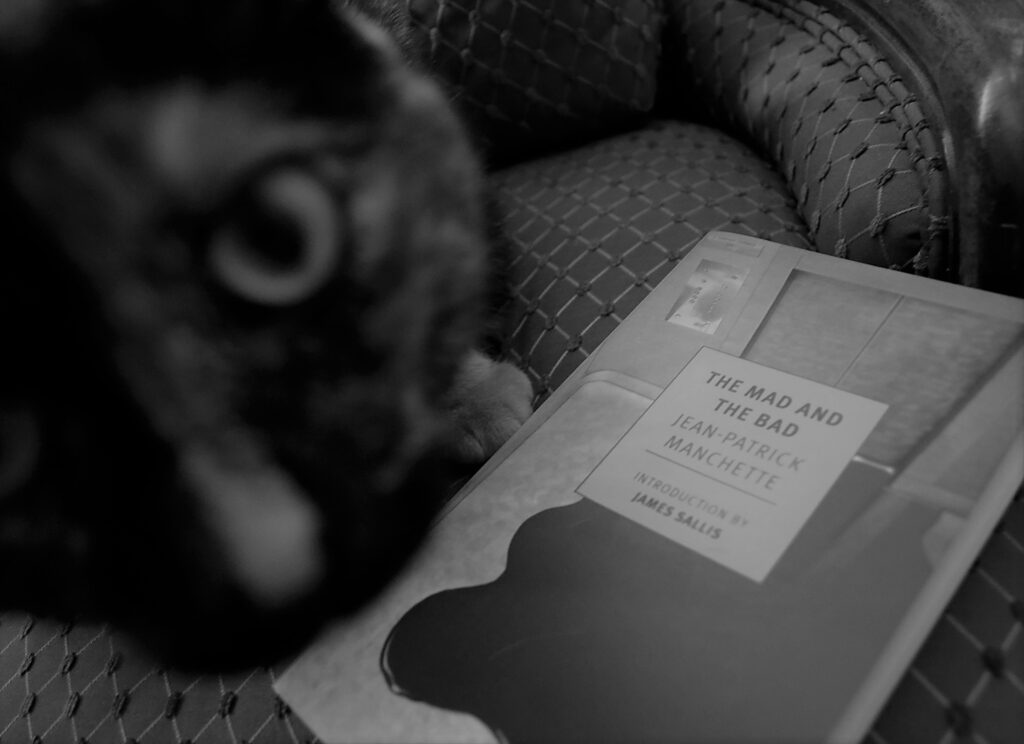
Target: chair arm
968	59
813	96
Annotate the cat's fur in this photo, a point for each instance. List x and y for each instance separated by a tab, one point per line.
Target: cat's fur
244	276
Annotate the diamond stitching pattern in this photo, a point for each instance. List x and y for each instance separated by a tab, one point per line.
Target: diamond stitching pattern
968	680
596	228
530	73
71	684
817	100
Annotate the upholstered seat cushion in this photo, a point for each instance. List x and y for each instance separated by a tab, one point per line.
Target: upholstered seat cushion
594	229
78	684
532	75
815	98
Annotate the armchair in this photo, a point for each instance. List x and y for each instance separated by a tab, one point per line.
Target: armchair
616	135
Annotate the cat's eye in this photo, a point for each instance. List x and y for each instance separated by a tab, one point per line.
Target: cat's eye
280	242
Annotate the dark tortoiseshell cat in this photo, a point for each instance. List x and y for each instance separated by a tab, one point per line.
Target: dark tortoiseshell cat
243	282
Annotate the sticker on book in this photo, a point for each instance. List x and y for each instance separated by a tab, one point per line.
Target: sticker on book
710	292
733	458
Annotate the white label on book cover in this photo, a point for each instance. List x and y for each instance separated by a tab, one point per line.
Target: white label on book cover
733	458
710	292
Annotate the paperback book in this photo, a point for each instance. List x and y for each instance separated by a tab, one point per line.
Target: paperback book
736	521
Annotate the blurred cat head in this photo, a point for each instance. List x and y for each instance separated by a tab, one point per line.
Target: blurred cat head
243	255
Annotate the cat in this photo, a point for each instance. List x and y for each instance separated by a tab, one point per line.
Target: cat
242	307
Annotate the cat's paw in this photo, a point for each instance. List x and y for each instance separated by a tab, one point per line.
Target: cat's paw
488	402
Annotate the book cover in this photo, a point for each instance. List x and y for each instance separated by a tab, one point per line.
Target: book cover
736	521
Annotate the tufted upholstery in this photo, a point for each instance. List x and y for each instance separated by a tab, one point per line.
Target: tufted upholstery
828	112
618	133
532	74
83	683
596	228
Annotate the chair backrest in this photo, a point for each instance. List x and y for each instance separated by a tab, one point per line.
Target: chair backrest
536	75
897	125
